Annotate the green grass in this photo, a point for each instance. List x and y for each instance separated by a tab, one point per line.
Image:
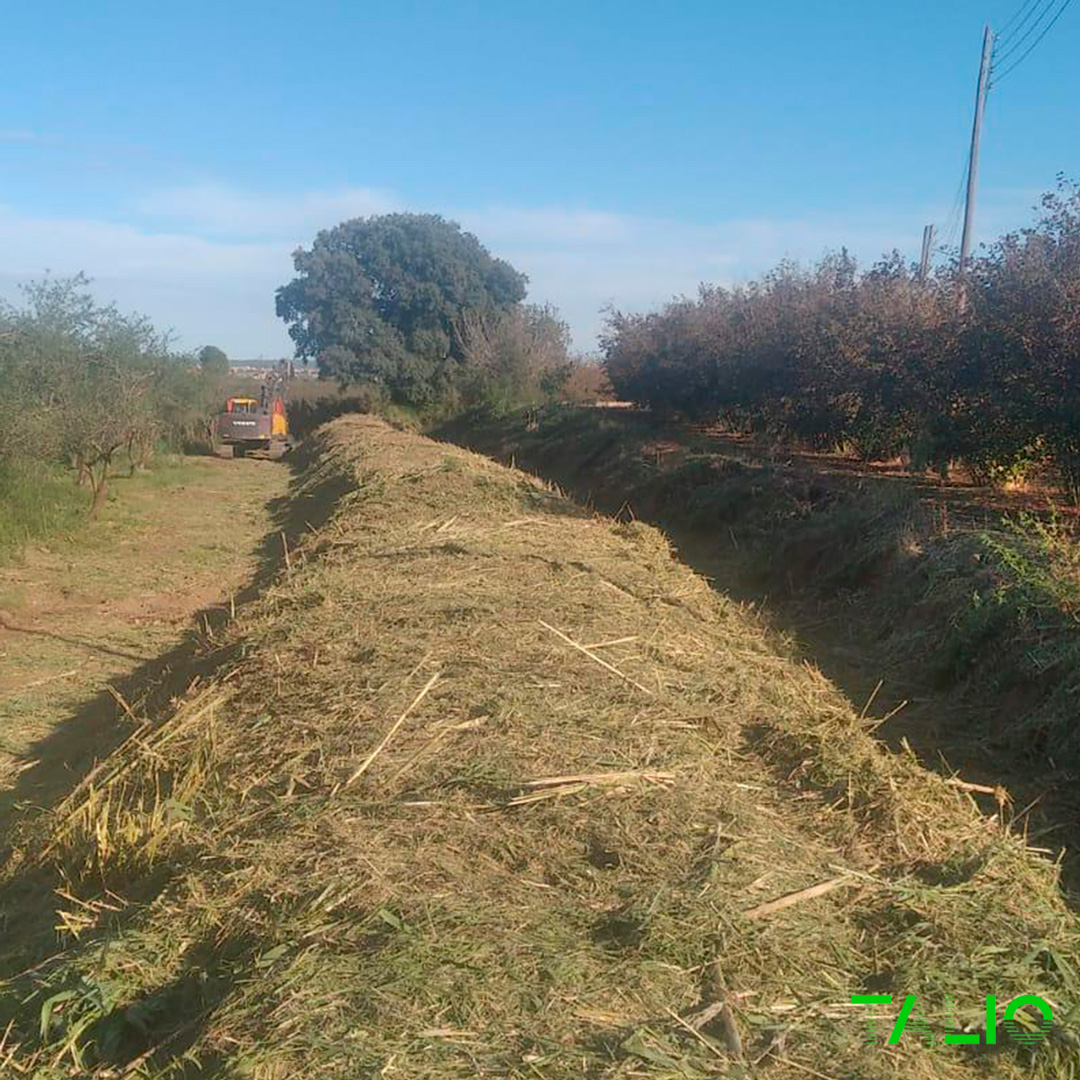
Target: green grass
100	596
37	501
164	470
1016	595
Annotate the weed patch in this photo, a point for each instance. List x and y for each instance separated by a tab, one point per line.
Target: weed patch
37	501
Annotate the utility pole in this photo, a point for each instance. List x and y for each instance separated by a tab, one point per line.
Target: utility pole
973	158
927	251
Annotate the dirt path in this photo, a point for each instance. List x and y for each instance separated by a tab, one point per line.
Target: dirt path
79	616
958	499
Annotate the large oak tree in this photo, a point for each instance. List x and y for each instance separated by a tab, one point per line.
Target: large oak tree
380	299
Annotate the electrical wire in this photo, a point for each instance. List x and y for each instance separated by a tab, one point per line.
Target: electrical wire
1032	47
1033	26
1025	21
1020	13
952	222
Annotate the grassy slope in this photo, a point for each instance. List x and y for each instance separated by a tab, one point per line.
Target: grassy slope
412	830
968	613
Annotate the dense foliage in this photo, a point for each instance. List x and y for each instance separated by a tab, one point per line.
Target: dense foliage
379	300
213	360
80	383
984	371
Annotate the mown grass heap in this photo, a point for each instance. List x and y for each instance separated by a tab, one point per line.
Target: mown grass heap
500	789
938	592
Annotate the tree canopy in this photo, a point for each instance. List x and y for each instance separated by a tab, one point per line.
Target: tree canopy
380	300
80	381
213	360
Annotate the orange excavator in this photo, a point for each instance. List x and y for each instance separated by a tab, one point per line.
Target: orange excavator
258	427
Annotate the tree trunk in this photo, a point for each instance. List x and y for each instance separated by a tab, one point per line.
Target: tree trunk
99	481
145	453
82	472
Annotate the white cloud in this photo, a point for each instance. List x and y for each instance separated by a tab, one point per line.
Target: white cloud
637	263
219	210
551	225
206	260
206	290
21	135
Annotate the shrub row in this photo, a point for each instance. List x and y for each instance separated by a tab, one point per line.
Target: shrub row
983	370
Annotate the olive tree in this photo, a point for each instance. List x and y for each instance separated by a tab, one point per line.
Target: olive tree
80	381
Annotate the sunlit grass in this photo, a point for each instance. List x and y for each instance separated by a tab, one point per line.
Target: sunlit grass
36	501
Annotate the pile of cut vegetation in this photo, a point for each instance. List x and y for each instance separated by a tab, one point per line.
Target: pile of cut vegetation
498	788
936	591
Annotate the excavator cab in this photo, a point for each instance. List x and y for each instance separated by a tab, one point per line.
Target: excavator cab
257	426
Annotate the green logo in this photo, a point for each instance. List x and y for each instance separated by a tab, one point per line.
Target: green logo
1024	1034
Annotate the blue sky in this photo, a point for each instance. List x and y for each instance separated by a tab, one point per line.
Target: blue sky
616	153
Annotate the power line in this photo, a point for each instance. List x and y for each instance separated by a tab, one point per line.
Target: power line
985	64
952	222
1034	45
1020	13
950	231
1034	25
1026	20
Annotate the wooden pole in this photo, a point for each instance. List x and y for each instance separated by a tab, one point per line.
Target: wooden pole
973	157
